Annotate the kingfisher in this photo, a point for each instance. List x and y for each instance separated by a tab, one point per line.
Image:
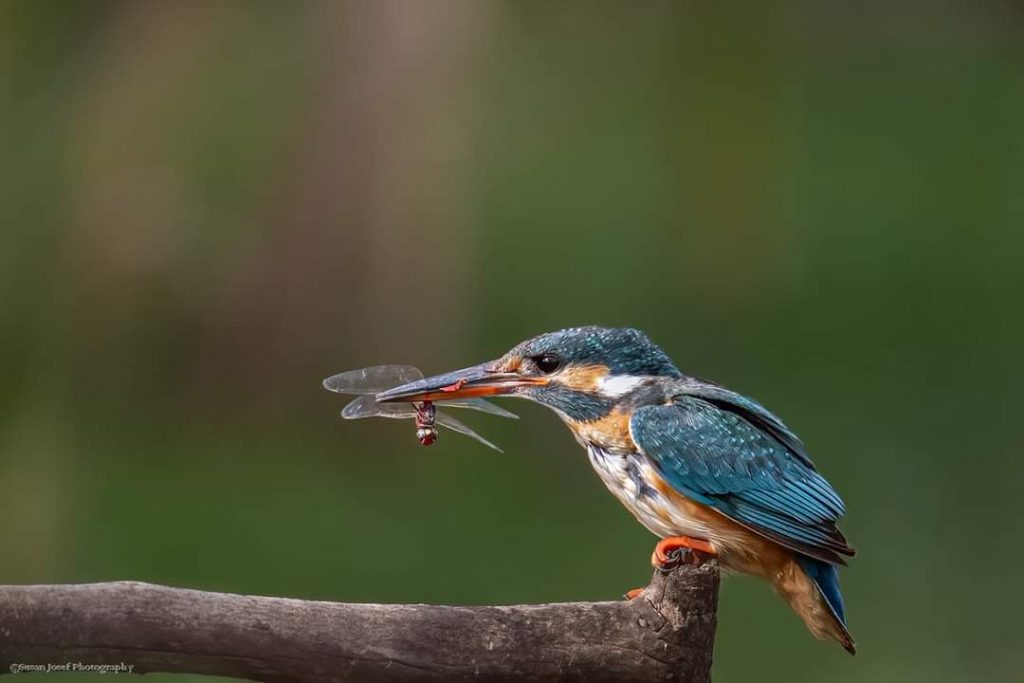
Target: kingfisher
708	470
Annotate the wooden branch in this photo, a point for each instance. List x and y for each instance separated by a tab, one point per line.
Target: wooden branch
666	634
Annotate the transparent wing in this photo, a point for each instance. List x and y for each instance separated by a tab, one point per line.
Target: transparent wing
478	404
367	406
372	380
453	424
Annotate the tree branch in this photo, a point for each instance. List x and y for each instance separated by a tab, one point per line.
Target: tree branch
666	634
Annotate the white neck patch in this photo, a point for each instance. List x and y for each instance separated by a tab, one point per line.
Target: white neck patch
616	386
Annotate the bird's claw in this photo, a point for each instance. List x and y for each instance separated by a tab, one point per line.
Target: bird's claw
675	558
676	550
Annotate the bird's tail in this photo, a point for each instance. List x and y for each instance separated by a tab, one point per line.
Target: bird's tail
812	589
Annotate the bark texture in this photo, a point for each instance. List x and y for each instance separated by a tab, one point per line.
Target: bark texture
665	634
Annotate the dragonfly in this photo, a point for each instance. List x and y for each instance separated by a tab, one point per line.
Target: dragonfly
365	383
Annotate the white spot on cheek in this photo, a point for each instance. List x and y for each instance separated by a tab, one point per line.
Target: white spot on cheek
615	386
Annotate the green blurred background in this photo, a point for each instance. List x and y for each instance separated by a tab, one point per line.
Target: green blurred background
209	206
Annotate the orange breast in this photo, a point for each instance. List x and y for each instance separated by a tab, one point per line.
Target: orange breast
610	432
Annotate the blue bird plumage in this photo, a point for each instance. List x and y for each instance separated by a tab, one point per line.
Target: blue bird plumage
689	458
721	459
718	458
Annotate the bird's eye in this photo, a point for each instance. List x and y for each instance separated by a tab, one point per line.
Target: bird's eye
547	363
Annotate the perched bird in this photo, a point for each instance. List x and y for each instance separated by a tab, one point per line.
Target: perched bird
704	468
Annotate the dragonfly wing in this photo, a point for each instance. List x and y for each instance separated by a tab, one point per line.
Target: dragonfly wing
480	404
372	380
367	406
455	425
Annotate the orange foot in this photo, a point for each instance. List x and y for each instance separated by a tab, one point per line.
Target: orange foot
667	553
635	593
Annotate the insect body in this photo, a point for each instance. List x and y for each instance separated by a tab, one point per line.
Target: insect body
426	416
366	382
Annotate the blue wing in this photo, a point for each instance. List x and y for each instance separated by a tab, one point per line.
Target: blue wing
729	453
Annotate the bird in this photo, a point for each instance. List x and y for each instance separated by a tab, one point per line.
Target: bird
708	470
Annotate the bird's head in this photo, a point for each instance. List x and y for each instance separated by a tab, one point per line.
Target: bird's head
581	372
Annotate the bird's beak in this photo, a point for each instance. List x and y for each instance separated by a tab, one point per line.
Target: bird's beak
479	380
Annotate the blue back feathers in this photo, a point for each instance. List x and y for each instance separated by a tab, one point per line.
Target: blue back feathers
723	452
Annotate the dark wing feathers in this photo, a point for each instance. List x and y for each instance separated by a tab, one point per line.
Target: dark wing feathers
742	463
752	411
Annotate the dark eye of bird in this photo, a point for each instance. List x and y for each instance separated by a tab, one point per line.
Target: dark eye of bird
547	363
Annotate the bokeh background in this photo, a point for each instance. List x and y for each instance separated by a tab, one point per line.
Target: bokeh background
209	206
